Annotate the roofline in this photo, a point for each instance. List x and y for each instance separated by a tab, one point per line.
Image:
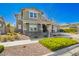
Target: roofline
33	9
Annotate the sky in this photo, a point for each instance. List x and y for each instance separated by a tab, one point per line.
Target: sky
58	12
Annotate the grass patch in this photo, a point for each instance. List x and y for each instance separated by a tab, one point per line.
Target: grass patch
57	43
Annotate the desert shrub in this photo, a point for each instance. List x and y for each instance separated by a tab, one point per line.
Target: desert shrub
9	37
17	37
1	48
61	30
3	38
57	43
70	30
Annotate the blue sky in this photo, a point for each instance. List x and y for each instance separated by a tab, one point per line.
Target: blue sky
60	12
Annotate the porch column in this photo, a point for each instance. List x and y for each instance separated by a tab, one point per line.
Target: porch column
41	27
49	28
24	28
78	29
55	28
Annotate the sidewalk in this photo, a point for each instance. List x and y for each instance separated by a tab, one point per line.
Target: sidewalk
15	43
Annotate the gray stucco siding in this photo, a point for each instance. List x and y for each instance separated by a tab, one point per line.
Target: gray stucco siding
25	15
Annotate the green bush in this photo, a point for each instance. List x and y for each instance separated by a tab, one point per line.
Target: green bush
70	30
61	30
57	43
1	48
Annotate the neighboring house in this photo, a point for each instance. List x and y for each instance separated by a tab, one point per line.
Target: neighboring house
55	28
67	26
33	23
72	26
2	26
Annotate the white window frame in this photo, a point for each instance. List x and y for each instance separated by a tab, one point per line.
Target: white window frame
32	27
19	26
0	24
33	15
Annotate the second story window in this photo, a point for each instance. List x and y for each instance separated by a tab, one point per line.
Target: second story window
33	15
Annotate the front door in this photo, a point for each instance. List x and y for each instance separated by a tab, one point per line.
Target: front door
45	28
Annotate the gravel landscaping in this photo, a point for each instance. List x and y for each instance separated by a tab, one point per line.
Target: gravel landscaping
34	49
10	37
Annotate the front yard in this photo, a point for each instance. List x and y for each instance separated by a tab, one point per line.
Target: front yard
44	46
34	49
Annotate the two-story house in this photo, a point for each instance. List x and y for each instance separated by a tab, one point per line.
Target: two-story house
2	26
33	23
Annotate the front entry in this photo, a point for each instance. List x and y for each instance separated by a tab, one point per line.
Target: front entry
45	28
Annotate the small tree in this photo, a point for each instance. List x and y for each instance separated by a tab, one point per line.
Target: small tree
8	27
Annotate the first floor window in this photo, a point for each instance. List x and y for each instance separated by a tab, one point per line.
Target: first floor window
33	27
19	26
0	25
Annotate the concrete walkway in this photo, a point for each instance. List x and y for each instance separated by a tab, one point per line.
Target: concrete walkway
71	52
15	43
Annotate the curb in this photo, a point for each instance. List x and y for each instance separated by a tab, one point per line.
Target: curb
65	51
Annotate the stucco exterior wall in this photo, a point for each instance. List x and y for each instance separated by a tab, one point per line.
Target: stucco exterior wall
24	20
2	27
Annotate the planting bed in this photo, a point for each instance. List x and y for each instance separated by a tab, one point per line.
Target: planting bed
12	37
57	43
